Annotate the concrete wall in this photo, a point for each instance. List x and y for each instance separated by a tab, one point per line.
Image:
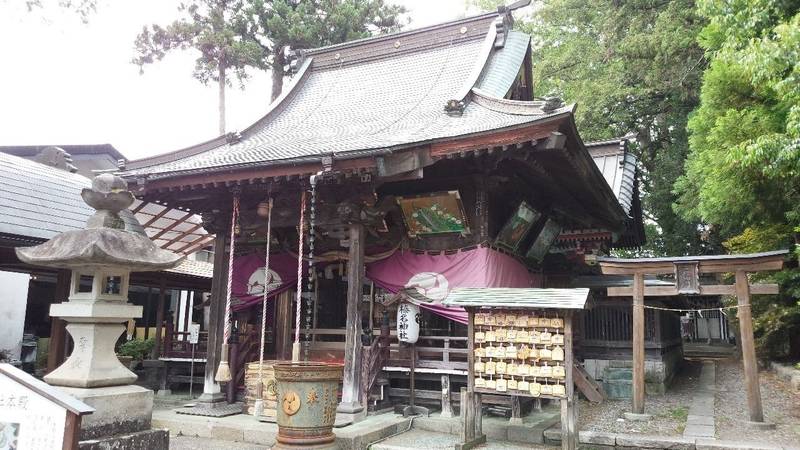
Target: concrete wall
13	300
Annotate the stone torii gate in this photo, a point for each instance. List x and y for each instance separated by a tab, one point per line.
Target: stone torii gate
687	271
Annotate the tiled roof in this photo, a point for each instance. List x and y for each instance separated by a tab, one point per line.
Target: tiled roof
200	269
38	201
372	97
574	298
618	167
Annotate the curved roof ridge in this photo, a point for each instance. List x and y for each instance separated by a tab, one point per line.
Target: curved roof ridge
516	107
274	108
398	34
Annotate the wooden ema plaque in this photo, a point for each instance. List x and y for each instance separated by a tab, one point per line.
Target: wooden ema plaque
519	352
525	352
35	415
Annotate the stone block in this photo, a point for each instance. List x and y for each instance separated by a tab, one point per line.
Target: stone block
141	440
698	430
553	434
700	420
619	389
118	410
597	437
713	444
613	374
495	431
524	434
661	442
227	433
596	447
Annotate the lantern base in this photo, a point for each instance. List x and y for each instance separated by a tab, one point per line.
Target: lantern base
93	362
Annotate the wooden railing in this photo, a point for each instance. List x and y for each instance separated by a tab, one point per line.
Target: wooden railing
433	352
176	345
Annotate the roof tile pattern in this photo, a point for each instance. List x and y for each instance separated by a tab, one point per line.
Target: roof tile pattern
38	201
370	107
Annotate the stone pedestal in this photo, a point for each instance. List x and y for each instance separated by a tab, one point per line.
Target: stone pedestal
119	409
122	418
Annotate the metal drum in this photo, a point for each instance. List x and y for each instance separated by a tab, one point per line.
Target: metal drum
307	400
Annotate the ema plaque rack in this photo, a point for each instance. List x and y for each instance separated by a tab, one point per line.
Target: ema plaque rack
519	344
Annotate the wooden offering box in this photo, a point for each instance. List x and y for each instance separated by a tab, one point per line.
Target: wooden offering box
519	344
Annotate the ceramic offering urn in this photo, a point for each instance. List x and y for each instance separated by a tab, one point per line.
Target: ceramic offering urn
307	400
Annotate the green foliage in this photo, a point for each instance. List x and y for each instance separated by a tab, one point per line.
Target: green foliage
742	171
278	25
83	8
632	66
680	413
212	27
136	348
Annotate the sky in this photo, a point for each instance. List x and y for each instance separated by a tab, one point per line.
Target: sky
66	82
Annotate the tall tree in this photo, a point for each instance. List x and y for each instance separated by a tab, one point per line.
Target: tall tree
213	28
279	25
743	171
631	66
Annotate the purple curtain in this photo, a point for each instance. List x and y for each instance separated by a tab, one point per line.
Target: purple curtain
428	279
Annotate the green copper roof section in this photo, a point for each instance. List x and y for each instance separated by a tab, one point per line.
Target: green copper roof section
519	298
504	65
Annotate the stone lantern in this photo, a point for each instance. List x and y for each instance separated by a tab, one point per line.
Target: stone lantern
101	258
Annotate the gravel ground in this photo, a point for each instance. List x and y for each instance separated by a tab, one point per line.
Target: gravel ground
669	411
196	443
781	407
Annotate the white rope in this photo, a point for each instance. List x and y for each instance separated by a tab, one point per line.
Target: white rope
720	309
298	310
266	294
234	216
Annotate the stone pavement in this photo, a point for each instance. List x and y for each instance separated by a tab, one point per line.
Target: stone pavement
700	422
196	443
432	440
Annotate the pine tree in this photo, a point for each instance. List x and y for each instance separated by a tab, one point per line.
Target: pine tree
213	28
279	25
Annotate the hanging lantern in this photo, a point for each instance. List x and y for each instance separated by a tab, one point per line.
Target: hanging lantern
408	318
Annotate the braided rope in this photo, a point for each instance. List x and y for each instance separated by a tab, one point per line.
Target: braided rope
234	216
298	310
266	294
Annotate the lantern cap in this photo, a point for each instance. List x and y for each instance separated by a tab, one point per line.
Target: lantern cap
105	243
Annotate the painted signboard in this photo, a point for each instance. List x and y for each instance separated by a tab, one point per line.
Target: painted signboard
35	415
433	214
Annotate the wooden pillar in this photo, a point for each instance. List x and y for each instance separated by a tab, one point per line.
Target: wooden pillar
148	307
56	353
748	348
447	407
516	410
351	387
162	288
216	323
638	343
569	405
283	326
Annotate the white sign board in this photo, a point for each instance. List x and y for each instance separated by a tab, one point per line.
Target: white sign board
194	334
33	415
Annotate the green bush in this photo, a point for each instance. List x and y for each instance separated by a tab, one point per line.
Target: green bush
136	348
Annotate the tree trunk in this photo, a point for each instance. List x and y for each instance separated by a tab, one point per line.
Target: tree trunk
221	100
277	75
